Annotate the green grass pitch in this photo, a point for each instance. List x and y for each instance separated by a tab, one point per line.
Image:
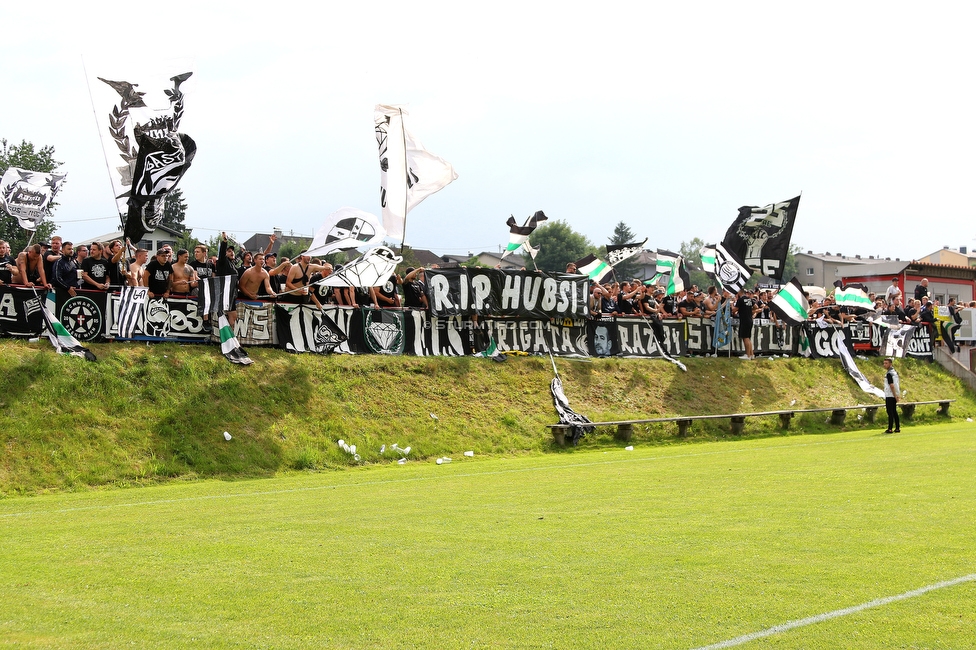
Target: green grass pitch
687	546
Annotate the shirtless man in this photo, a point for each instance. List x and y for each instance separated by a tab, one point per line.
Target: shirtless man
137	270
299	275
183	279
31	267
254	279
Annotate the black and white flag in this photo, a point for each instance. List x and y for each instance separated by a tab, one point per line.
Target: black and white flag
519	235
345	229
408	172
373	269
160	165
731	271
139	111
842	347
761	236
217	293
131	303
28	195
617	253
579	424
303	328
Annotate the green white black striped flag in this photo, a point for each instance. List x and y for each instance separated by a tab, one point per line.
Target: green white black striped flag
853	295
229	344
62	340
593	267
790	304
520	234
673	265
708	259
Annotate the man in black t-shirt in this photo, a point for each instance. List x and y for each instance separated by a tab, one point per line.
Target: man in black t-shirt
52	255
385	296
922	289
96	269
743	309
157	274
669	308
414	289
689	308
201	262
8	265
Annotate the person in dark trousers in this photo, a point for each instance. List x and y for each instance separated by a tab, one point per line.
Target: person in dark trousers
891	390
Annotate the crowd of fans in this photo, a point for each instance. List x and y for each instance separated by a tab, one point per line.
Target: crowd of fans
262	276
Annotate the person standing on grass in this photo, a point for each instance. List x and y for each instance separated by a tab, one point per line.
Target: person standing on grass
892	390
744	309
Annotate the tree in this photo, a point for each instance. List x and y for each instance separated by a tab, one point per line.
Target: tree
691	251
24	155
791	268
174	210
628	268
558	245
186	240
290	249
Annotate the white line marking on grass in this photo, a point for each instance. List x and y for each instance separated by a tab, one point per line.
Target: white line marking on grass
431	477
820	618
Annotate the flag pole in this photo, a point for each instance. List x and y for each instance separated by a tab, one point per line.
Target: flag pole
101	142
403	139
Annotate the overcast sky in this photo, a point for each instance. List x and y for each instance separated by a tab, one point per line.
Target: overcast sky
667	116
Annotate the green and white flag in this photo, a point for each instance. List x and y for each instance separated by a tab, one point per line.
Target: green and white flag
673	265
62	340
707	253
853	295
519	235
790	304
593	267
229	344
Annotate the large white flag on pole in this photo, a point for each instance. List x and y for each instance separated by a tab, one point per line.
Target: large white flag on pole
344	229
408	172
129	94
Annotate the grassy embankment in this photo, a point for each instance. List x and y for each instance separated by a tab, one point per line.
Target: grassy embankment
143	414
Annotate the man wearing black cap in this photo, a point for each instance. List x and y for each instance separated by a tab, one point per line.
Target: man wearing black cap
157	275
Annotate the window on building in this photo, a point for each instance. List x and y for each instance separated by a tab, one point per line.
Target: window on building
809	270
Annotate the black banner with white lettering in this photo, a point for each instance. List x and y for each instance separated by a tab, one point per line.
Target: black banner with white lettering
506	294
20	311
162	319
445	337
920	344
